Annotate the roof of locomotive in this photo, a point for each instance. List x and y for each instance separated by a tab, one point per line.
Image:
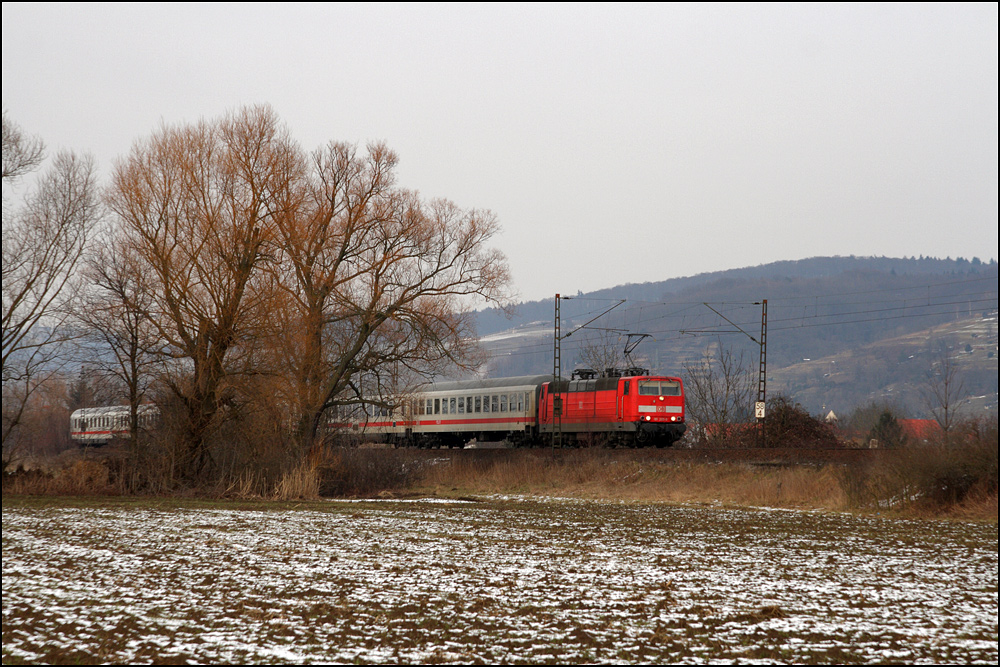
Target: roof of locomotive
604	383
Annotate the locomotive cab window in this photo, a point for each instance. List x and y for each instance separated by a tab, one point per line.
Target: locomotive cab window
656	388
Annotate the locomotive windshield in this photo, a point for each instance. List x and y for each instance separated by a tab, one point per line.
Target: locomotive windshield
659	388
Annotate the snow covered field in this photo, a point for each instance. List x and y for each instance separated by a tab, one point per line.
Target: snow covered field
504	580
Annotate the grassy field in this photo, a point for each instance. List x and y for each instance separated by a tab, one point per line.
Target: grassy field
499	579
901	483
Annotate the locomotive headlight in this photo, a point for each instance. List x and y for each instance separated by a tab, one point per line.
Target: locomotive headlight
648	417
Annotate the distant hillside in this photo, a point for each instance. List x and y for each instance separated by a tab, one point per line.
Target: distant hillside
896	371
817	308
492	320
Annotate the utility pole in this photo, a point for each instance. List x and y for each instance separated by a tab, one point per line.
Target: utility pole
760	409
556	377
557	402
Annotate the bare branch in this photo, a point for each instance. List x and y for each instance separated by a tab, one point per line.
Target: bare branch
21	154
376	281
720	389
944	389
197	207
43	242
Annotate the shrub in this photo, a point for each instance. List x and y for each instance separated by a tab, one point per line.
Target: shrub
788	424
887	431
959	467
351	472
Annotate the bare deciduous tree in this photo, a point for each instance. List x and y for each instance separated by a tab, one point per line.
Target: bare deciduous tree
719	390
43	240
21	154
196	205
317	270
376	280
944	389
114	312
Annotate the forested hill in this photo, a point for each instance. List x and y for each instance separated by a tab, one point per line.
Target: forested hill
833	274
878	319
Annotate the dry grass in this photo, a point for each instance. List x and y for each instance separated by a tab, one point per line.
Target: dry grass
248	486
81	478
957	481
589	474
302	483
88	477
949	478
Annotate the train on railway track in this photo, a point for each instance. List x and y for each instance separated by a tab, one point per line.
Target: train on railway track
629	408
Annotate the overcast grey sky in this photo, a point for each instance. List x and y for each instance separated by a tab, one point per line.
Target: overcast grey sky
616	143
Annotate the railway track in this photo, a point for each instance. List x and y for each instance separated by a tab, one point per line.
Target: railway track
763	456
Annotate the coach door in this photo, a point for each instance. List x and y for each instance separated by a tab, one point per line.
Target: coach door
624	390
543	405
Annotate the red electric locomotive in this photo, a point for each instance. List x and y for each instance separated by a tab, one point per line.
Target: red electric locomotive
633	410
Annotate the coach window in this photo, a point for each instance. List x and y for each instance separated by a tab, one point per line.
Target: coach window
520	401
486	403
437	406
503	402
453	409
495	403
461	405
479	404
